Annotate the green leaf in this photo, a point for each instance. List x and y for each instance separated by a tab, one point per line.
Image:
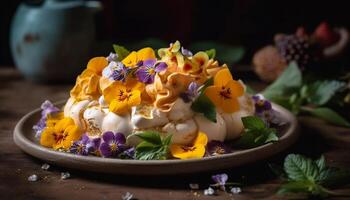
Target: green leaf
300	168
328	115
211	53
321	163
296	187
121	51
253	123
167	140
290	78
204	105
255	133
322	91
224	53
148	153
152	137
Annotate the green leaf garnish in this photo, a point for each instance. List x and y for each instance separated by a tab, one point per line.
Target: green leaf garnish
121	51
256	133
211	53
203	104
328	115
290	79
310	177
153	147
322	91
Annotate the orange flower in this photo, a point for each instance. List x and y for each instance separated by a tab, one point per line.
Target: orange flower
225	91
187	152
134	57
86	86
97	64
122	96
61	135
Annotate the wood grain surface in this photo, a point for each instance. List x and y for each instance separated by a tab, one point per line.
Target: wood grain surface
17	97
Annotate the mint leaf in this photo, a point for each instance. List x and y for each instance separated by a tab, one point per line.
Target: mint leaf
121	51
152	147
256	133
310	177
290	78
253	123
323	91
203	104
211	53
299	168
328	115
152	137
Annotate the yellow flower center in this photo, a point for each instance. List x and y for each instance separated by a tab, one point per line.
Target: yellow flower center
151	71
187	148
225	92
114	147
124	95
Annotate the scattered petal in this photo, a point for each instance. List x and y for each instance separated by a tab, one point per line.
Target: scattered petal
236	190
45	166
65	175
209	192
127	196
33	178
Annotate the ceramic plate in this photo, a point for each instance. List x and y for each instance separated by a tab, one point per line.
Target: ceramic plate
24	138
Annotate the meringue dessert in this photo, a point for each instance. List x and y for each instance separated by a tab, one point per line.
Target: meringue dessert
139	105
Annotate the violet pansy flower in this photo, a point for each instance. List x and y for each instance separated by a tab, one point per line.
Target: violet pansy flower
93	146
220	180
113	144
191	93
264	110
215	148
116	71
148	70
47	108
80	147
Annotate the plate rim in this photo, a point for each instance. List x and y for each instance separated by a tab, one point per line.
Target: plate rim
33	148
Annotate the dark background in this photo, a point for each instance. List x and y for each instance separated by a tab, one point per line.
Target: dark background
250	23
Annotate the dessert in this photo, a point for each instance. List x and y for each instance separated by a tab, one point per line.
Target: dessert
139	105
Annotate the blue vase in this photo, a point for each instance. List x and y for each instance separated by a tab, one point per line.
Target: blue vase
52	42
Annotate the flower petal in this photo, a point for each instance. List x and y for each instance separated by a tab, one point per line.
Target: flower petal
105	150
108	136
97	64
236	88
201	139
149	62
47	138
145	54
120	138
222	77
161	67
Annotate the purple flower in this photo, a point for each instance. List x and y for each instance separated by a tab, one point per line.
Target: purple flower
116	71
186	52
113	144
112	57
148	70
47	108
220	180
261	104
191	93
215	148
264	110
80	147
93	146
128	153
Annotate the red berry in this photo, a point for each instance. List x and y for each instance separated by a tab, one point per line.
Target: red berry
325	35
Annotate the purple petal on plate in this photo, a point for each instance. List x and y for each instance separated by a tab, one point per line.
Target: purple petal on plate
161	67
108	136
215	148
105	150
220	178
84	139
149	62
120	138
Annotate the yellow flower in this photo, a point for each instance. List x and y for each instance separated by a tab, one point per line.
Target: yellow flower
173	57
52	119
122	96
134	57
97	64
61	135
225	91
187	152
86	86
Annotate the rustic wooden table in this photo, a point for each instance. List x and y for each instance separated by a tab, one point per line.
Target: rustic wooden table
18	97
